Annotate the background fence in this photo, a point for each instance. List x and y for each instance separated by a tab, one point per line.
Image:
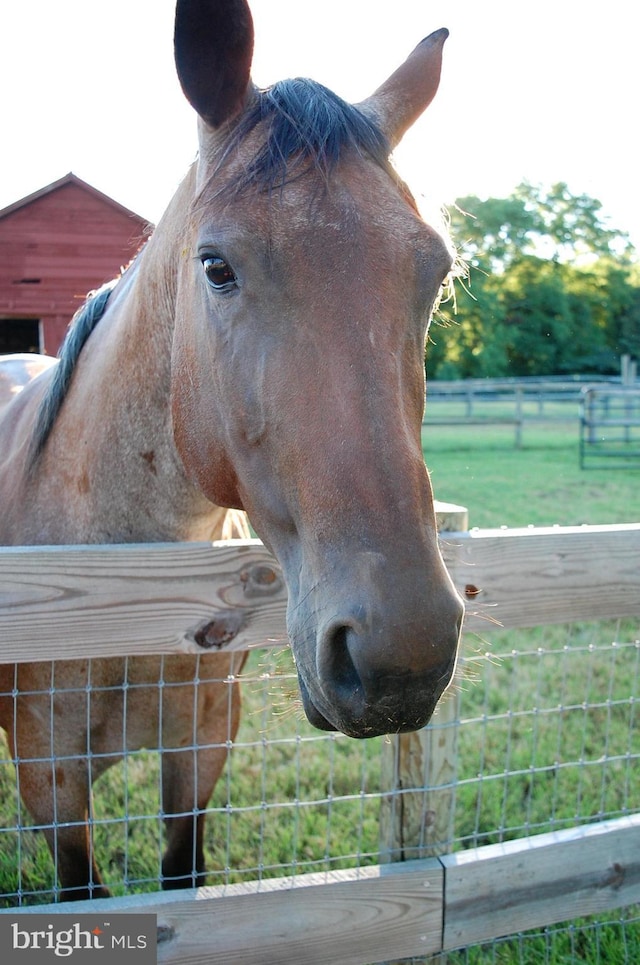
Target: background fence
610	427
520	402
515	809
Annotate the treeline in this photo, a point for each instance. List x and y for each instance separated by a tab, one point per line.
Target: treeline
547	289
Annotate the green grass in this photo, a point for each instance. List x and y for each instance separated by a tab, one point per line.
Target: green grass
533	704
575	943
540	484
538	724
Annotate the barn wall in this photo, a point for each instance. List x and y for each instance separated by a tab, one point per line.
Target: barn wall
56	248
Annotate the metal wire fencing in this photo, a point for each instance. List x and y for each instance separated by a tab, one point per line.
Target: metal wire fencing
544	729
546	737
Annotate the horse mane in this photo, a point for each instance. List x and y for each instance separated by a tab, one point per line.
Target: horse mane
306	123
83	323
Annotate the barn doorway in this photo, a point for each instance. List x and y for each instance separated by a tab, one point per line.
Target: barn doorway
18	335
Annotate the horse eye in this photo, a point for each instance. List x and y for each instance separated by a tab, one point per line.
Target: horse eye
220	275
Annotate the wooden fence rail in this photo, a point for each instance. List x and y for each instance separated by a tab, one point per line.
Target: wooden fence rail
123	600
416	908
511	402
538	390
136	599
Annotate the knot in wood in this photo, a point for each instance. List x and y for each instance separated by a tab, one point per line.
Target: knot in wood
165	933
213	634
261	580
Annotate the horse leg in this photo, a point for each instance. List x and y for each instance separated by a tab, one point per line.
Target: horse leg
189	776
48	741
58	797
183	859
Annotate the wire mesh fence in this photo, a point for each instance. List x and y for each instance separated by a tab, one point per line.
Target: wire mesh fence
548	732
546	739
545	731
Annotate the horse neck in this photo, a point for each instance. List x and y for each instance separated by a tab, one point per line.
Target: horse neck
111	459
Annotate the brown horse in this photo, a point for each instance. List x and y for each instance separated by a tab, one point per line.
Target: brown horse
264	352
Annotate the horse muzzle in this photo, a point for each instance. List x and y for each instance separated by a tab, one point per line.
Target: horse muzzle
365	679
402	705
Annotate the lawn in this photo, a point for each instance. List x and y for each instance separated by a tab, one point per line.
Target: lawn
540	484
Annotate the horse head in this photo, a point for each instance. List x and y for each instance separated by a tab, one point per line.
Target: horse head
306	283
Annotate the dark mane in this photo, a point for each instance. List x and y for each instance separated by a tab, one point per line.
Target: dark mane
305	124
82	325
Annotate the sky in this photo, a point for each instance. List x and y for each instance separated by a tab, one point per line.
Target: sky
544	92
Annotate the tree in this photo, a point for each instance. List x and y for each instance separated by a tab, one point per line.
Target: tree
628	325
467	338
551	288
493	233
553	224
538	317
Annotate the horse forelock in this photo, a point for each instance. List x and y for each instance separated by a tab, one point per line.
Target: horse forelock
83	323
306	126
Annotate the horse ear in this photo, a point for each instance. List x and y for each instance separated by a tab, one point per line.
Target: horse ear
408	92
213	43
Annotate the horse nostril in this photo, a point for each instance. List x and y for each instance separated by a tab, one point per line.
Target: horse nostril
367	681
335	662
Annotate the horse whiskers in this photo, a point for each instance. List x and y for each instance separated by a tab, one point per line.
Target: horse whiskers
283	697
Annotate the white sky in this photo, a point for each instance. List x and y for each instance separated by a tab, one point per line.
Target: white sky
547	91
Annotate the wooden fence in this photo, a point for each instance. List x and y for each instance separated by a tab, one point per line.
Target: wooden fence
115	600
535	389
610	426
509	402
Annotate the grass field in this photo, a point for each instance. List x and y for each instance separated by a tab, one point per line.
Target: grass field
540	484
544	702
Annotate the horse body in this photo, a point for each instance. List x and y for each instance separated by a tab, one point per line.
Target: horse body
109	471
264	352
122	483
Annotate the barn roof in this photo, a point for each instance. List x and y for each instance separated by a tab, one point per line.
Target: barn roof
70	178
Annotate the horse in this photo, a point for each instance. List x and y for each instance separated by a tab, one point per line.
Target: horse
263	353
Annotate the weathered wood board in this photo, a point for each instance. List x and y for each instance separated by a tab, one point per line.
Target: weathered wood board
416	908
536	576
539	881
136	598
347	917
152	598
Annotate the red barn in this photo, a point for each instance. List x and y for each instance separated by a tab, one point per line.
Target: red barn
55	246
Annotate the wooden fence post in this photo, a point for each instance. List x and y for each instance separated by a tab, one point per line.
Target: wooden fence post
420	769
519	417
